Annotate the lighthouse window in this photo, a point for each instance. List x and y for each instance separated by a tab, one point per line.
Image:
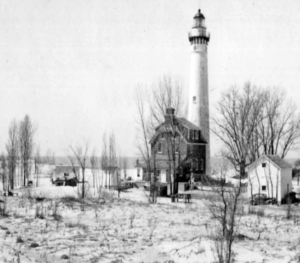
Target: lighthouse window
194	99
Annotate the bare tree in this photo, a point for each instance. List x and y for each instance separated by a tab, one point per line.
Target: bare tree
37	163
104	161
26	143
49	157
144	133
239	116
125	166
225	212
174	137
109	162
279	130
255	122
112	161
165	93
95	169
3	173
80	154
12	149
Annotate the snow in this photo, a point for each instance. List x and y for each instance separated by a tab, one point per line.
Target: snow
104	229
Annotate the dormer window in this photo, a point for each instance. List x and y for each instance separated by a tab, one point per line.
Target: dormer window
192	134
196	134
196	167
264	165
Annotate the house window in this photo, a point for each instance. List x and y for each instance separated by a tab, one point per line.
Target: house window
194	99
263	188
162	135
159	147
157	176
202	165
196	164
197	135
192	134
264	165
180	172
138	172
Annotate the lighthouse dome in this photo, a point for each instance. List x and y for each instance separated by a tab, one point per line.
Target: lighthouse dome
199	20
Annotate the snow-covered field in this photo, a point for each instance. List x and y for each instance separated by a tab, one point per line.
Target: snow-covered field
107	229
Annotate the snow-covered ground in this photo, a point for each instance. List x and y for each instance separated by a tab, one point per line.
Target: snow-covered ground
129	229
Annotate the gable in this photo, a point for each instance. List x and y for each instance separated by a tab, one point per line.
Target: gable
182	126
271	159
281	163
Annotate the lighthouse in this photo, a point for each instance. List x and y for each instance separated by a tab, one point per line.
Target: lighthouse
198	103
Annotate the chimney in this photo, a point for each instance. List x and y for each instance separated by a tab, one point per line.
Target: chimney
169	117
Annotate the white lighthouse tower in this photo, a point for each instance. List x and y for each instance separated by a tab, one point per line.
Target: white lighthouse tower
198	111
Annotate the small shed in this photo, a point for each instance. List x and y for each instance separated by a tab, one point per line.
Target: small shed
270	175
65	175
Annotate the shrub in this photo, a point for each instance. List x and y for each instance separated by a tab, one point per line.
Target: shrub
260	212
39	212
19	240
3	209
76	225
34	245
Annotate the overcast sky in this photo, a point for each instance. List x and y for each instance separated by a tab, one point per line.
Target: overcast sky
73	65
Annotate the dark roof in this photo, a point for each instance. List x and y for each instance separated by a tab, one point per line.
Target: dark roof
184	122
275	159
279	161
188	124
138	164
199	14
65	169
111	168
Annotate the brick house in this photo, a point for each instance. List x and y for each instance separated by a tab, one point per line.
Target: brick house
177	148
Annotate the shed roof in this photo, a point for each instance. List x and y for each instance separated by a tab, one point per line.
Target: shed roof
279	161
188	124
65	169
275	159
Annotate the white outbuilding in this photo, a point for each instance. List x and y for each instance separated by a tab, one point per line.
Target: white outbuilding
270	175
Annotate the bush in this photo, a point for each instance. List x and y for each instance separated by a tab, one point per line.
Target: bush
19	240
39	212
106	194
3	209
